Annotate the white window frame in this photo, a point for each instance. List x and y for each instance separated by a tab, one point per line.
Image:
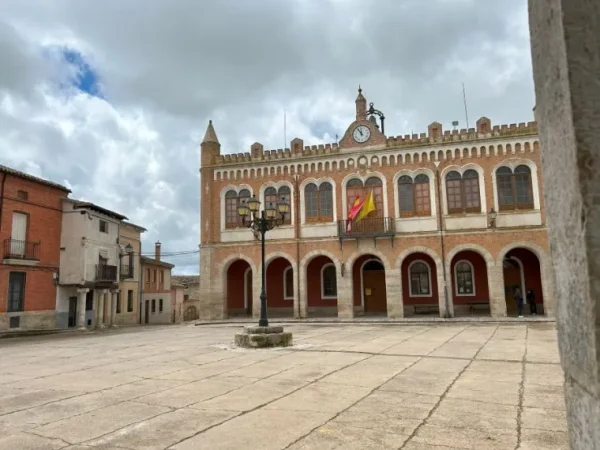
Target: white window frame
323	296
458	294
285	297
428	276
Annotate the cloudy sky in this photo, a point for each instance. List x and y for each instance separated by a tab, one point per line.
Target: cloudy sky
112	97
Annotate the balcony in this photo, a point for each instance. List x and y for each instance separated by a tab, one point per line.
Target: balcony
370	227
104	272
126	271
21	250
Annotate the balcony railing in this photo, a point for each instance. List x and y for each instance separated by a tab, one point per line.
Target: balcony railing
367	227
14	249
126	271
104	272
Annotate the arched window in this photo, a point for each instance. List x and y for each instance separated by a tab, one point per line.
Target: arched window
414	196
514	188
318	202
355	188
288	283
463	192
420	279
465	278
328	281
232	219
272	196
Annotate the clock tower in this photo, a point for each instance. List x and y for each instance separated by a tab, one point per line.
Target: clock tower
362	132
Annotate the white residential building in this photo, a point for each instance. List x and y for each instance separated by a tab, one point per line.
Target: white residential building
89	265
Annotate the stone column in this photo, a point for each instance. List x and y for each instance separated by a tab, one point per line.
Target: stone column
100	315
113	307
566	62
495	275
81	303
393	291
302	307
256	287
345	300
447	291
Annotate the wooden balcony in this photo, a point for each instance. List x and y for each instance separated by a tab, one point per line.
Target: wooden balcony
22	250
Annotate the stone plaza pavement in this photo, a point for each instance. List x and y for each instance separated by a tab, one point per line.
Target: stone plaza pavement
347	386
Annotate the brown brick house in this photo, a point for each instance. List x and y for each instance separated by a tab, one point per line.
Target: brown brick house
156	289
459	223
30	233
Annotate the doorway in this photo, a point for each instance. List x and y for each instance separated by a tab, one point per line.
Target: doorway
373	287
512	280
147	311
72	312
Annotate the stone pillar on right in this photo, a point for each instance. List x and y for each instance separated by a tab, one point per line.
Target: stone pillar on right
565	43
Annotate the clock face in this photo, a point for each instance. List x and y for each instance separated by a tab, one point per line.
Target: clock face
361	134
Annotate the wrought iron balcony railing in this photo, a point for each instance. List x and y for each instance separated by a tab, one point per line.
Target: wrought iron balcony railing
104	272
126	271
15	249
367	227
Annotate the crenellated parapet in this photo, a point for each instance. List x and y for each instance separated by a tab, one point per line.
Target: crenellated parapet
445	142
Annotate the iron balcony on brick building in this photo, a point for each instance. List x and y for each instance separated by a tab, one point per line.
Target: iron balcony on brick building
369	227
21	250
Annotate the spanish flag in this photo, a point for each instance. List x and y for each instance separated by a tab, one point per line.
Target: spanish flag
353	211
367	207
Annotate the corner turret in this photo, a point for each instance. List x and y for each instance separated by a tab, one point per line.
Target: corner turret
210	147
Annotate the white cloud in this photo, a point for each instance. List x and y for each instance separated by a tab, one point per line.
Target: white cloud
165	69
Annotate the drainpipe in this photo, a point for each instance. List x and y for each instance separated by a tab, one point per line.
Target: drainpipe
441	231
297	226
4	175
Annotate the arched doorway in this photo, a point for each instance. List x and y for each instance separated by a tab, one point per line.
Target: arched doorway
419	285
321	287
191	313
521	268
369	290
280	288
239	289
470	291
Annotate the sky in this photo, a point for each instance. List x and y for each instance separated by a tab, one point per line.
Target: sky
112	98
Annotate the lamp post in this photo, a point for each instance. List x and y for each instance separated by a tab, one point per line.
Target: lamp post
269	218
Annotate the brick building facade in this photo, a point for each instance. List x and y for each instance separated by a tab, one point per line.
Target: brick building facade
459	224
30	233
156	289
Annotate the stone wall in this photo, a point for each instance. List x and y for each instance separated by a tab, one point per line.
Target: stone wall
565	39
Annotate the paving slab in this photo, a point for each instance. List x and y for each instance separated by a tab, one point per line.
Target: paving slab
162	431
264	429
321	397
96	423
341	386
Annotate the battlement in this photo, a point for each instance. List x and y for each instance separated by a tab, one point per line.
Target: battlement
435	135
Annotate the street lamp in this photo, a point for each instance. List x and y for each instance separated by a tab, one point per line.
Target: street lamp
270	217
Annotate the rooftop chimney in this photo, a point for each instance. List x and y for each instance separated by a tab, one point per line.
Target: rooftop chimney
157	250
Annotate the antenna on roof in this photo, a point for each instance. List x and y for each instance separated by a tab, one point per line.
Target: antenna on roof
465	102
284	131
455	124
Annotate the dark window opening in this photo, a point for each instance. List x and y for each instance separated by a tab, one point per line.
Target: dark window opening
16	291
103	226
